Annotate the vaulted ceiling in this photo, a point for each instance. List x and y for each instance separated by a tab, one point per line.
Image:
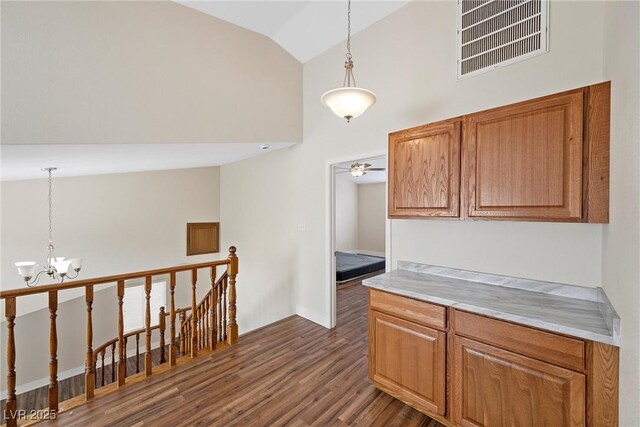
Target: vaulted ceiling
303	28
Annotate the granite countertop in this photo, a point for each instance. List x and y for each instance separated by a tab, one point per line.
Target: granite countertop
566	309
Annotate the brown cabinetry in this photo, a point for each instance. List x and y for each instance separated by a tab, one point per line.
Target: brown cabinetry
545	159
495	387
409	360
424	166
525	160
465	369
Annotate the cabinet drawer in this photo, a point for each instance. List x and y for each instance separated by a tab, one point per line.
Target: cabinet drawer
545	346
410	309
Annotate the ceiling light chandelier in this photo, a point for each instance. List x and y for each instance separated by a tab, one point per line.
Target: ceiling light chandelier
348	101
55	267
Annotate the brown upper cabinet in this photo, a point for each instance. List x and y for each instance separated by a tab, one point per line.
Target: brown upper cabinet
545	159
424	166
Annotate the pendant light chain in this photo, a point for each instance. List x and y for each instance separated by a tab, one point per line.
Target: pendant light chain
50	209
349	30
349	78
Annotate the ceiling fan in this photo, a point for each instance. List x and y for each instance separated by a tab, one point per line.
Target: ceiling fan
358	169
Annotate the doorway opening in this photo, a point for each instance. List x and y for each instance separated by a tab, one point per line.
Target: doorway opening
359	228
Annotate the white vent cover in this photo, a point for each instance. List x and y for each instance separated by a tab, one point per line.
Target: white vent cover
495	33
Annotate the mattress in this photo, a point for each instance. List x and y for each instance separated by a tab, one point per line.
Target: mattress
349	265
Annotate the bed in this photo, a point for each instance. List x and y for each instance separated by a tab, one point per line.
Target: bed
349	266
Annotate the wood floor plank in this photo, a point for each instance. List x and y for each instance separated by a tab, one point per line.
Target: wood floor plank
290	373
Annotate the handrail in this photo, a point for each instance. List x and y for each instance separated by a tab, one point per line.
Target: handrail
109	279
215	313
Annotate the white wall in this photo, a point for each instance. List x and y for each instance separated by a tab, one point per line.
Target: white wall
141	72
119	223
347	213
259	219
621	237
372	214
408	59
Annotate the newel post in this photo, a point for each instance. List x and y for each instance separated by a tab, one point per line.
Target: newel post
232	327
11	407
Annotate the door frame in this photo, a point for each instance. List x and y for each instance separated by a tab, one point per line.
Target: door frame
330	246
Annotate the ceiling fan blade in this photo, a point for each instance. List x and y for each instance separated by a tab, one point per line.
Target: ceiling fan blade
376	169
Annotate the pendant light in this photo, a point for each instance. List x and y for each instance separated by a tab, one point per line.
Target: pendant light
56	268
348	101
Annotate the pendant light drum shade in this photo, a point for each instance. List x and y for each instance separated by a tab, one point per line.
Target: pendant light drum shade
348	102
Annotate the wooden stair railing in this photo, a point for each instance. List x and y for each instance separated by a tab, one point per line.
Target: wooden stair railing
101	351
210	320
198	338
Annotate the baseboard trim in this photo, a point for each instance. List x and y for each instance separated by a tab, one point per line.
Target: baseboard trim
314	316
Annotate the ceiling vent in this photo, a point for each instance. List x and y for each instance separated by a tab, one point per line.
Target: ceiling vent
495	33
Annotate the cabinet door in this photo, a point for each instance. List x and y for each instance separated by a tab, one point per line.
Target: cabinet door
524	161
424	171
494	387
408	361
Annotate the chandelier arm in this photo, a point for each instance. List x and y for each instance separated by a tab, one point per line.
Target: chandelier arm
35	280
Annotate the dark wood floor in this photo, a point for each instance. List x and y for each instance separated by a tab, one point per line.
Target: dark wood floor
68	388
293	372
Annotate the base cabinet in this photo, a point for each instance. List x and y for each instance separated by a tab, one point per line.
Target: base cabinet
464	369
409	360
495	387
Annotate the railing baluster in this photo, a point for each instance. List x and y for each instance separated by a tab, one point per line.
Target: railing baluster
212	310
172	320
137	353
113	362
122	360
219	308
201	327
224	309
206	322
194	324
124	345
182	333
89	375
53	351
147	322
10	406
232	327
102	367
161	323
